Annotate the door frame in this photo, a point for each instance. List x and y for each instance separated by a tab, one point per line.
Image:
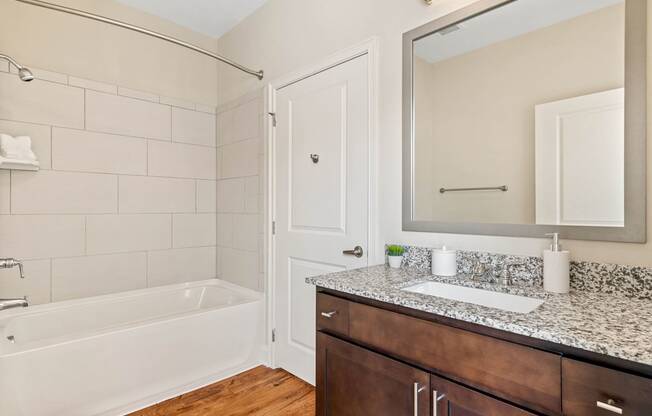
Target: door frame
370	48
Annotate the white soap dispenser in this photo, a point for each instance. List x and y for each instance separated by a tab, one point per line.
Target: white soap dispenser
556	267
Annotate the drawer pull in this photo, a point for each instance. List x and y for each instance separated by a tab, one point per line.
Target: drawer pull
417	389
609	406
435	401
329	315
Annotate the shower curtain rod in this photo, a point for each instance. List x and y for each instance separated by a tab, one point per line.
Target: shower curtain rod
81	13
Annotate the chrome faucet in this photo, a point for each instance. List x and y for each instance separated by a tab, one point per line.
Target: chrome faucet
9	263
13	303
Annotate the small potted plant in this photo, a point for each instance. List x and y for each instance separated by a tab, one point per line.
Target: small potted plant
395	256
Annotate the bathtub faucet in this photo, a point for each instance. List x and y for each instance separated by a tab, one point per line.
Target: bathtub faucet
13	303
9	263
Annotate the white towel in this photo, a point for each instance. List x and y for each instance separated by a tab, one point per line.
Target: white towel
19	148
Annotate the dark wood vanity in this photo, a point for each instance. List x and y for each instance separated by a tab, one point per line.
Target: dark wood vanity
375	358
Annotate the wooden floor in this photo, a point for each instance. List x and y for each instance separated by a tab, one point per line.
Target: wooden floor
257	392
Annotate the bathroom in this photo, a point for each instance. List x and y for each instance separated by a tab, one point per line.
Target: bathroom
293	207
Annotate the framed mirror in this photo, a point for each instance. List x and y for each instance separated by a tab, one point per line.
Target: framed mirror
526	117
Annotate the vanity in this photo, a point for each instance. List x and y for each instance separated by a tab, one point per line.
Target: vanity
384	350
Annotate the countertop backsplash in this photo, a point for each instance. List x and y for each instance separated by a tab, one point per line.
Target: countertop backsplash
630	281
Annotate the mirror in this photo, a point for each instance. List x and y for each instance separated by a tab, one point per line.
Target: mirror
523	117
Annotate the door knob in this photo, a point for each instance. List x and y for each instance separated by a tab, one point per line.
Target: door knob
357	251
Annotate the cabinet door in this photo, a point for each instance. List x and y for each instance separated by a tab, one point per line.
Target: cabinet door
452	399
353	381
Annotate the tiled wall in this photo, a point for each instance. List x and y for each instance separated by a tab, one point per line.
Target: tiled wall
240	192
126	194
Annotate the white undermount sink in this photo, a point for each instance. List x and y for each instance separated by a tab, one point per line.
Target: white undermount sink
504	301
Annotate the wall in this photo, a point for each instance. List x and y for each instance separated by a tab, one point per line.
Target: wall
126	197
285	35
500	85
240	191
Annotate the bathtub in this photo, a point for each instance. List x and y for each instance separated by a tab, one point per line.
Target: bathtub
113	354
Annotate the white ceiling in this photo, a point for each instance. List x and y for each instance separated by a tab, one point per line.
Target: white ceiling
514	19
210	17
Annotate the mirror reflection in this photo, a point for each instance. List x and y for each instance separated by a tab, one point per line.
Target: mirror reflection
519	116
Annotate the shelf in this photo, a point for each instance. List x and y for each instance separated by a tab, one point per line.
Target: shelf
15	164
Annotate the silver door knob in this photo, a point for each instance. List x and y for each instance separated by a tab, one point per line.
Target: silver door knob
357	251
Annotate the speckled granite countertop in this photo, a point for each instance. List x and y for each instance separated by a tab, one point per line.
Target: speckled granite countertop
606	324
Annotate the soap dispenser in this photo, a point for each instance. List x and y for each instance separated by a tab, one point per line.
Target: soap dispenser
556	267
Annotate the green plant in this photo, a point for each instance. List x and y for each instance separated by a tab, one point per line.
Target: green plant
395	250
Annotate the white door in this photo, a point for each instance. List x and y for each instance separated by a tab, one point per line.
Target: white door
321	200
580	160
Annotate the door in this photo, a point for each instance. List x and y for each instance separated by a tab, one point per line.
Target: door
452	399
353	381
321	159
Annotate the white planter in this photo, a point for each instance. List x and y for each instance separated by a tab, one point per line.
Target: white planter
395	261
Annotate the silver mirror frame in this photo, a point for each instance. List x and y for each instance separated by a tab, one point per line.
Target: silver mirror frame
635	229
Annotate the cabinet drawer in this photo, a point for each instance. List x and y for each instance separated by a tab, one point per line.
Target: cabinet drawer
587	385
332	314
523	375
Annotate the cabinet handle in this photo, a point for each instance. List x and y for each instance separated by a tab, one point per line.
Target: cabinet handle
329	315
609	406
435	401
417	389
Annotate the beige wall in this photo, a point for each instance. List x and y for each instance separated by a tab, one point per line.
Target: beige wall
285	35
73	45
499	85
125	130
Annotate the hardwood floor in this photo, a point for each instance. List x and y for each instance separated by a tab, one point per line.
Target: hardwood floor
257	392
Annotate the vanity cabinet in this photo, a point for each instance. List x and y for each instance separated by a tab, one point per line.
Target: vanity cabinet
373	360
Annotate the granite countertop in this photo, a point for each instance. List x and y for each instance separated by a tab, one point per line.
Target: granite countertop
608	324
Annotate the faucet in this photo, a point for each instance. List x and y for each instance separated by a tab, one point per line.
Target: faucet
13	303
9	263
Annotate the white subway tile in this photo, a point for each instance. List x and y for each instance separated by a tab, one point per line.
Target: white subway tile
40	135
177	102
206	196
193	127
181	160
125	233
35	285
193	230
127	116
142	194
239	267
225	230
80	277
141	95
45	75
245	232
53	192
85	151
225	127
41	102
93	85
230	195
5	192
168	267
246	119
252	195
239	159
41	236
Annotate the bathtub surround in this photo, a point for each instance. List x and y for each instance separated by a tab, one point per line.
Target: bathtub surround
126	195
617	279
240	191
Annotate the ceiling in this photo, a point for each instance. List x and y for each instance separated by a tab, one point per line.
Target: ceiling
210	17
504	23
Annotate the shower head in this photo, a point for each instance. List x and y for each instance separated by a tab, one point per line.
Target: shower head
23	73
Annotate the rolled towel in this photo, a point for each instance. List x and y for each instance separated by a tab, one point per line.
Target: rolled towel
19	148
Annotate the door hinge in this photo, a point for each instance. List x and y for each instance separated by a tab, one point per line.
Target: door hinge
273	227
273	335
273	118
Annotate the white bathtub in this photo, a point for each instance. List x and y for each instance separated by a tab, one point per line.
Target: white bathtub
110	355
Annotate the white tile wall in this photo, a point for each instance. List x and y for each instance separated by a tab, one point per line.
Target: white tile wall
154	195
181	265
125	233
240	159
206	196
35	285
41	236
193	230
193	127
5	192
182	160
40	134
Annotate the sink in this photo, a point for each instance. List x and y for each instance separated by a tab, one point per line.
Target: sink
498	300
